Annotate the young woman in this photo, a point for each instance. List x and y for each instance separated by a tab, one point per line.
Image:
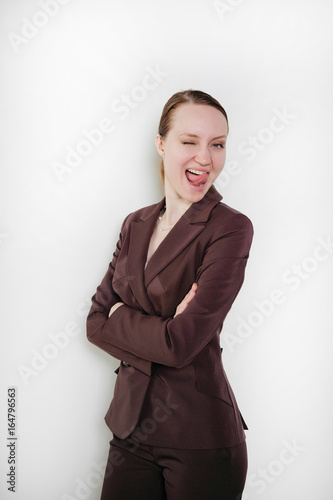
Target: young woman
177	268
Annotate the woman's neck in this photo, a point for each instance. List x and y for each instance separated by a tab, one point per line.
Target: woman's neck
174	208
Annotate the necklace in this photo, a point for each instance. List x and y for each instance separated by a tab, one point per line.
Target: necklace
160	218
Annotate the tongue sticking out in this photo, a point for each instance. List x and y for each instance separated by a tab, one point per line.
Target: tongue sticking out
196	179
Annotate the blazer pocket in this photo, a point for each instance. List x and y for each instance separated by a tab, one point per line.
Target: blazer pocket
210	377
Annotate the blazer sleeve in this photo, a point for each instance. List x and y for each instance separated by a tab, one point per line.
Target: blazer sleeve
102	302
177	341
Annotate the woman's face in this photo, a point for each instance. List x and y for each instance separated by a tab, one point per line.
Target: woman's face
193	151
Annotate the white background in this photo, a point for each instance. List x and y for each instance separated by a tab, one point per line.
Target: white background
58	231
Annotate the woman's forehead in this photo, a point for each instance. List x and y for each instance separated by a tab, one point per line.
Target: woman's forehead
196	118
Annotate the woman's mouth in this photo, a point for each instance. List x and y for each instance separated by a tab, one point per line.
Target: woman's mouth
196	177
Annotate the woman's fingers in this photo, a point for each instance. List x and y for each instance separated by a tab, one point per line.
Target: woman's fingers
186	300
189	296
115	307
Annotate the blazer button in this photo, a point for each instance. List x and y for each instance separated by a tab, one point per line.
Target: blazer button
125	364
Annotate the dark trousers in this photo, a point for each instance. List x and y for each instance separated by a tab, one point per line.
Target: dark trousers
153	473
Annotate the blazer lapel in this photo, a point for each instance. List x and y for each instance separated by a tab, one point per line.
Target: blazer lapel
182	234
140	234
174	243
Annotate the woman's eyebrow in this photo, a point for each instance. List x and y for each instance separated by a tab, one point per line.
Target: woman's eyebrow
196	136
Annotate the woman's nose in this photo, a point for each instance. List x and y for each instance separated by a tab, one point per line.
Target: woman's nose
203	156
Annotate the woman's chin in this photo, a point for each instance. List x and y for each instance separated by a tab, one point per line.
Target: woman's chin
196	193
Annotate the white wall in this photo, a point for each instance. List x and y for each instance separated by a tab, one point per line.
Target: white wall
67	65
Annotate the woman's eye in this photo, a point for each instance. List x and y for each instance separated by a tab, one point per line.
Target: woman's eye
218	146
186	142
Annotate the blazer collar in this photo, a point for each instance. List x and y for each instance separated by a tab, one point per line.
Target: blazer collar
197	212
185	230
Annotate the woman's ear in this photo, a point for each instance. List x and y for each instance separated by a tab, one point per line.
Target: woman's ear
159	142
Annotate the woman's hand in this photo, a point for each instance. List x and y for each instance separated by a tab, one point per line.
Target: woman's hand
180	308
186	300
114	307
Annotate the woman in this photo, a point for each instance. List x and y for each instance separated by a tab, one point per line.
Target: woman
176	270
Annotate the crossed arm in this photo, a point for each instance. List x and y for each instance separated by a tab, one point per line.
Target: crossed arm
180	308
140	339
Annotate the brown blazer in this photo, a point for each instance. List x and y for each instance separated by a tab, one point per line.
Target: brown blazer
171	388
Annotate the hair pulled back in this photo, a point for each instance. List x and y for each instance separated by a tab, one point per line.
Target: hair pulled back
184	97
